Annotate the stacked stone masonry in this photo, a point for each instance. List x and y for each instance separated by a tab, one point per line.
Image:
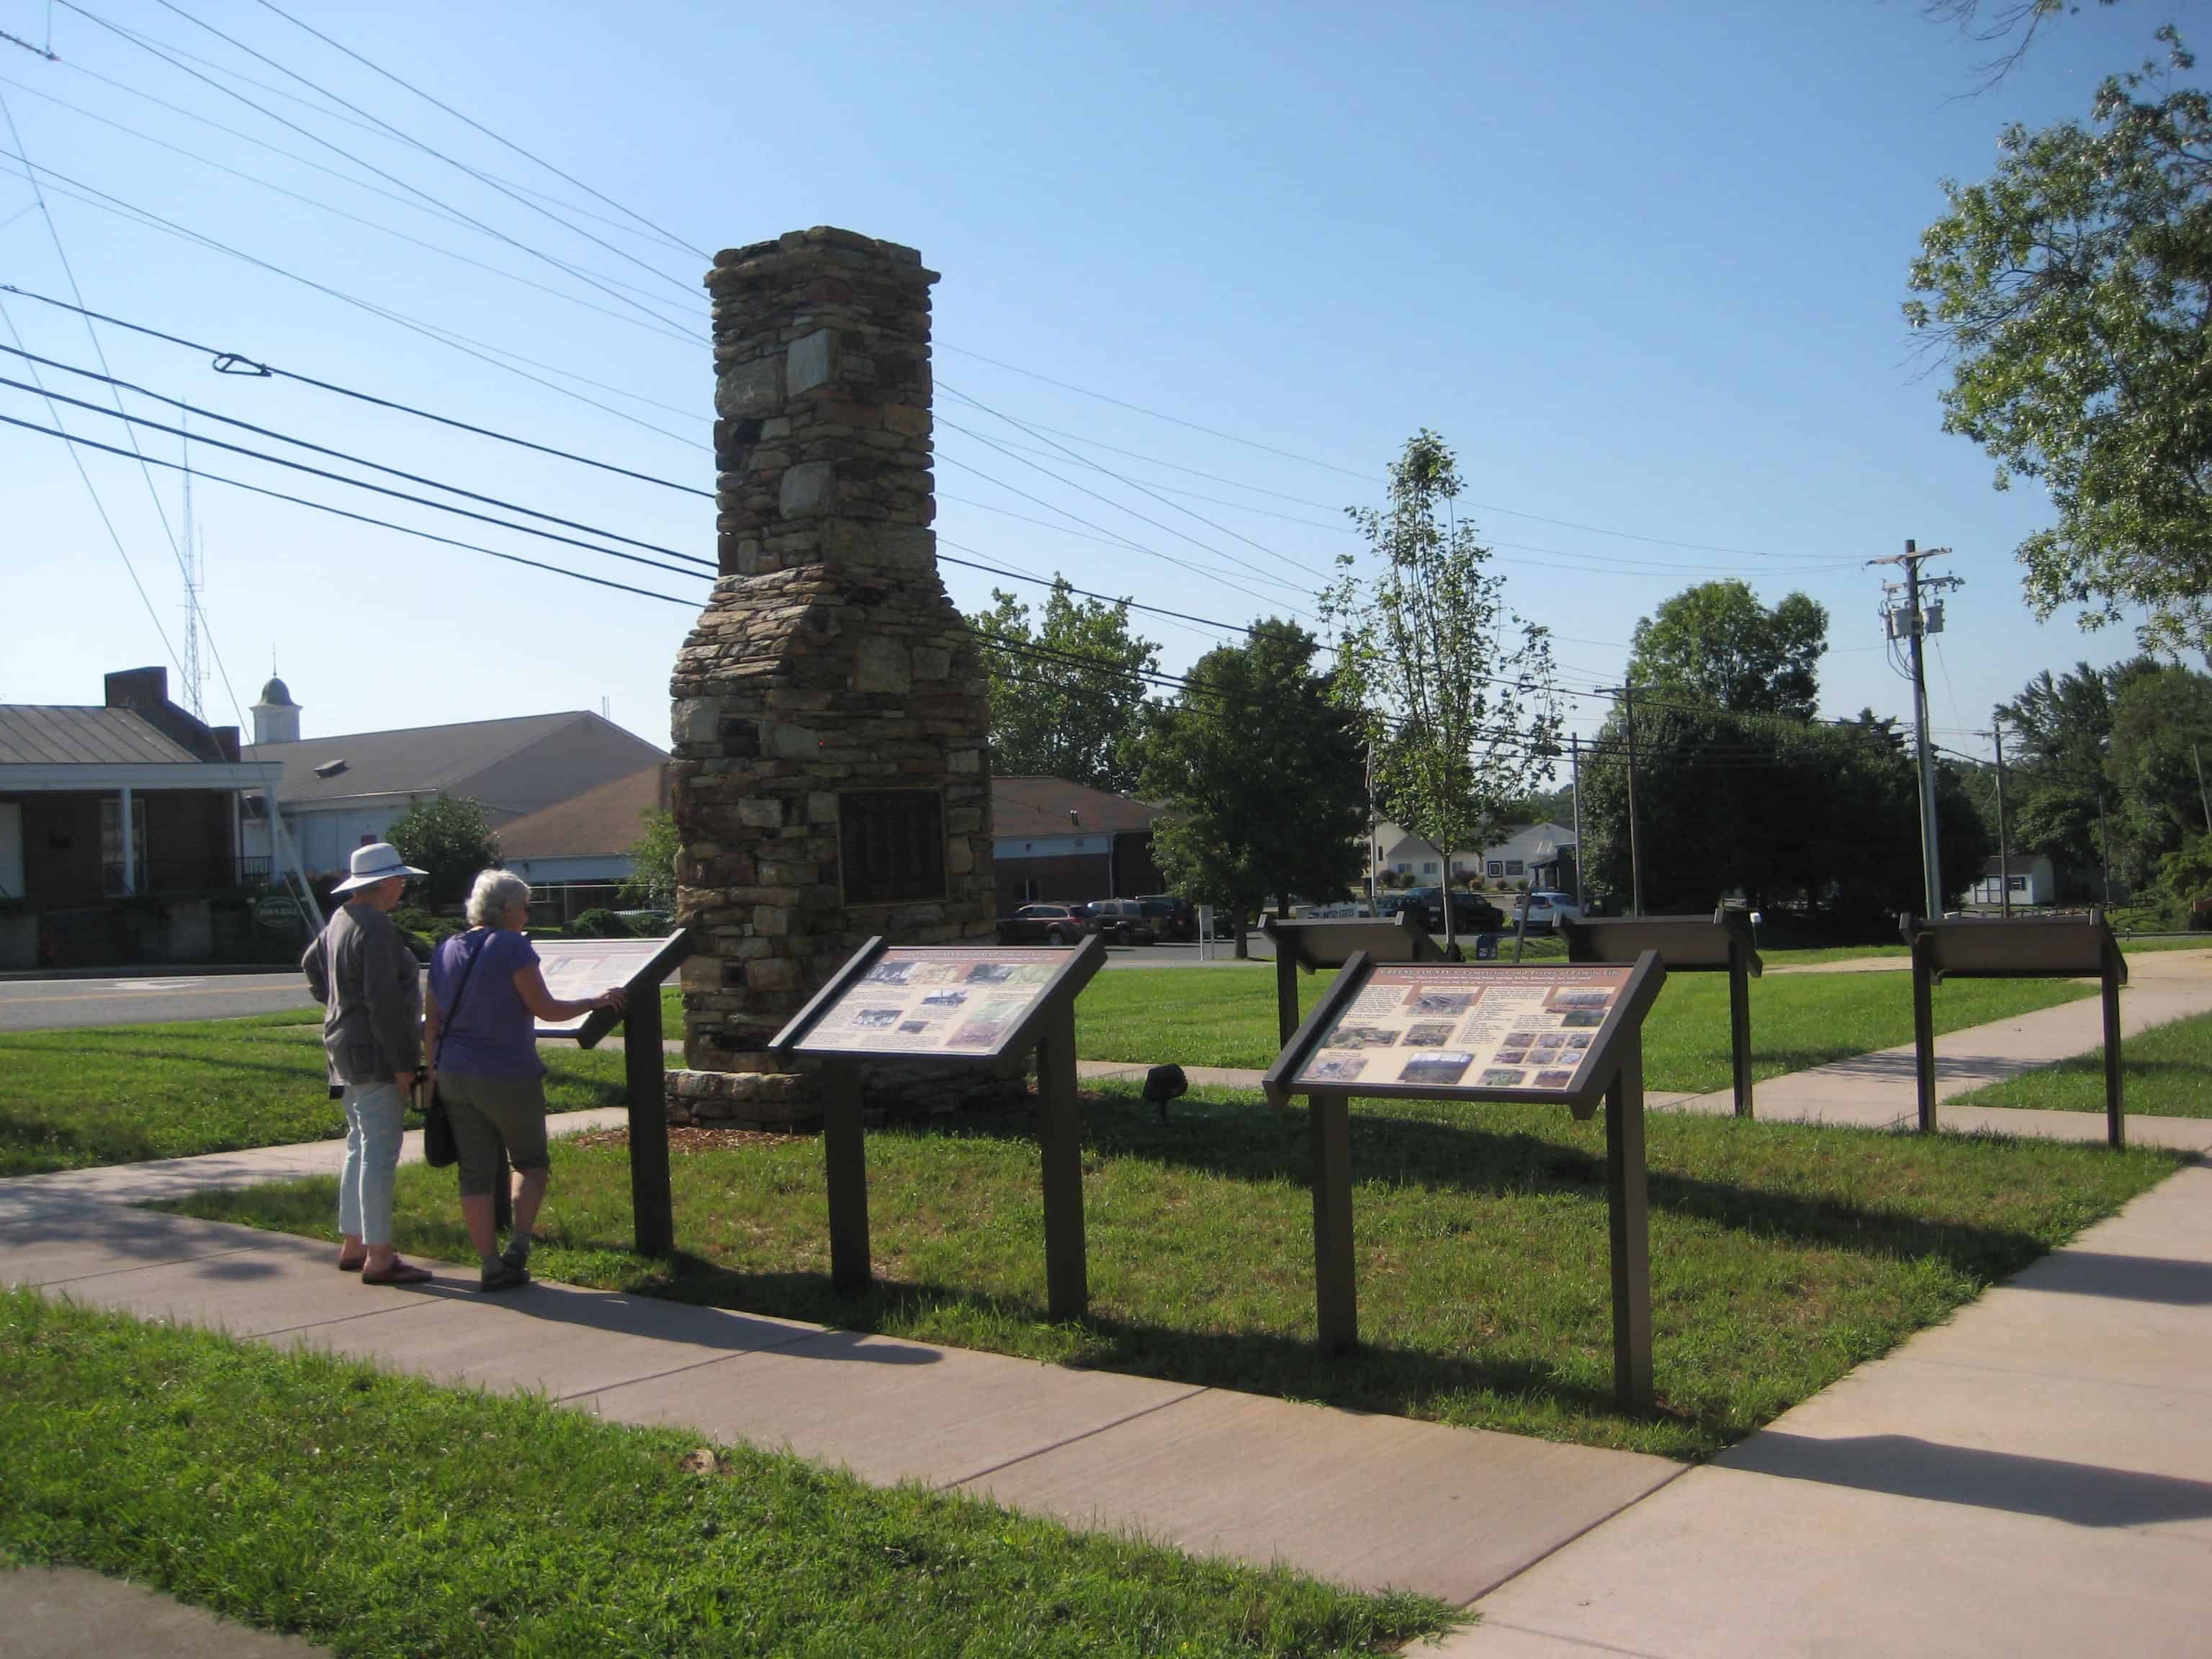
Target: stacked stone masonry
829	660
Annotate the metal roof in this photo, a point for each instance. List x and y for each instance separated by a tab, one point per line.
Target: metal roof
1034	806
421	760
44	734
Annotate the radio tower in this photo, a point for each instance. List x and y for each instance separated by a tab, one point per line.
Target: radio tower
193	676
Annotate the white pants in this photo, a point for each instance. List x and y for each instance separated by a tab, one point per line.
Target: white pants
376	1119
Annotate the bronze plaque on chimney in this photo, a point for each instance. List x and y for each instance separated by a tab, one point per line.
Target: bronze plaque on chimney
890	845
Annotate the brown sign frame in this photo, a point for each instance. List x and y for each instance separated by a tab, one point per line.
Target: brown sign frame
1719	944
1048	1027
1306	943
1613	1073
2015	947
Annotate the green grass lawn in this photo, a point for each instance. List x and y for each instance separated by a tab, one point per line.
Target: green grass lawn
126	1093
2166	1072
1226	1017
380	1514
1781	1255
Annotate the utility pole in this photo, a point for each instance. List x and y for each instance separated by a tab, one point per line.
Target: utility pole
2004	848
1574	753
193	675
2203	799
1634	862
1911	623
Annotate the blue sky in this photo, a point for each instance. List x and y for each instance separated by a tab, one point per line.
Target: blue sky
1640	265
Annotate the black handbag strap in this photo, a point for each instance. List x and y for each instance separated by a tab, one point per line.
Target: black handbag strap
446	1025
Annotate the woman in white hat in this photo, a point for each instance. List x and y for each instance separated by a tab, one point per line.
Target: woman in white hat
366	980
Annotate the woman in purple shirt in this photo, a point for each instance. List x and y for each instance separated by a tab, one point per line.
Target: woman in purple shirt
480	1026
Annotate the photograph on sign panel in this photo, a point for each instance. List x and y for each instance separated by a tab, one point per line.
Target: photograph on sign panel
1430	1033
944	998
1336	1068
1581	996
1423	999
991	973
1583	1017
1554	1079
1361	1036
889	972
1501	1076
1439	1070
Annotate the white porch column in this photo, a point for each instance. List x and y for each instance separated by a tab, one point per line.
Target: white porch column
129	851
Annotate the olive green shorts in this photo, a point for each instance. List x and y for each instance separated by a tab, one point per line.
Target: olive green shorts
491	1114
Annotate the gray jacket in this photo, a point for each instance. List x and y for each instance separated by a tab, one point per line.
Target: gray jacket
372	992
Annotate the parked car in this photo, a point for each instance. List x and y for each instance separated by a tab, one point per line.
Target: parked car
1044	924
1172	918
1471	912
1122	921
1545	908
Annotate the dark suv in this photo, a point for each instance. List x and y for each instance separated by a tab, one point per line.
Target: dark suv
1171	918
1471	912
1122	921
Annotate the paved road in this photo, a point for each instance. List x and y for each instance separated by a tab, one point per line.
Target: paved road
32	1004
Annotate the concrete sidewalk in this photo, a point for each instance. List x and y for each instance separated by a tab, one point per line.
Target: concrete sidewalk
2034	1477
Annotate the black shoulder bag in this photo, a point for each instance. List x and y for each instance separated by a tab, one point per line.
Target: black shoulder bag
440	1150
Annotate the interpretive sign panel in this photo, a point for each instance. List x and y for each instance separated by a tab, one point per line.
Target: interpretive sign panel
1330	942
951	1005
1572	1033
1421	1029
937	1000
575	969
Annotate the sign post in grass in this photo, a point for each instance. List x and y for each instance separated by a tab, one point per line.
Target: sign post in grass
2021	947
1559	1033
962	1006
1718	944
575	969
1331	941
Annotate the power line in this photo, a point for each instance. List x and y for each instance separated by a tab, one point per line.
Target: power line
191	594
586	277
239	363
343	455
489	133
668	332
430	150
100	507
360	518
465	344
375	488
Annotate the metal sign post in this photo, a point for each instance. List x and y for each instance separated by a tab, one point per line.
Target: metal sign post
1719	942
1560	1033
2025	947
955	1005
1330	942
572	972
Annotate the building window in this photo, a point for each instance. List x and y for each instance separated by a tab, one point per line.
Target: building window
1428	867
1513	866
1496	866
1403	869
2016	883
1030	892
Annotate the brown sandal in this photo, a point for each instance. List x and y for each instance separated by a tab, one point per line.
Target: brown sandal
399	1273
353	1266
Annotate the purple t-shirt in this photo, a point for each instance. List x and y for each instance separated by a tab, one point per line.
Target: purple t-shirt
491	1033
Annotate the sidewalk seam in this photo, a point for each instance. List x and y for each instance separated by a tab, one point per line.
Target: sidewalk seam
1073	1439
135	1267
695	1365
1607	1519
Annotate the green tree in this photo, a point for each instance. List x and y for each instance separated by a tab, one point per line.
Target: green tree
447	836
1716	643
652	881
1456	692
2070	293
1068	692
1263	771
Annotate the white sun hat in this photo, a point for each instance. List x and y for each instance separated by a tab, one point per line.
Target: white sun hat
378	861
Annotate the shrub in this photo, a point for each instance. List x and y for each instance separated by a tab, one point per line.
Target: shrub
599	924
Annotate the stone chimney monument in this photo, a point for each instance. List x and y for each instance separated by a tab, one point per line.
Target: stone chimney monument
830	720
